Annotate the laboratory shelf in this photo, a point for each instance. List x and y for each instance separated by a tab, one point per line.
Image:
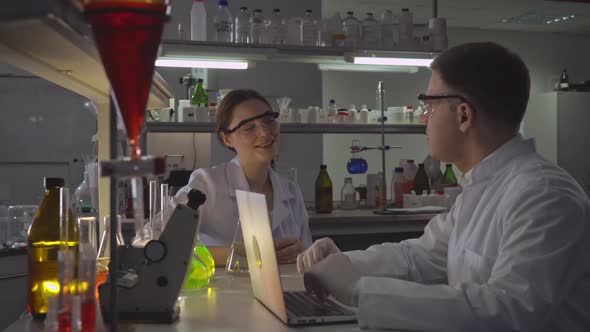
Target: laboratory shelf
277	53
308	128
51	39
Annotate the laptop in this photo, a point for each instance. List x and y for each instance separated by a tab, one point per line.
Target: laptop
293	307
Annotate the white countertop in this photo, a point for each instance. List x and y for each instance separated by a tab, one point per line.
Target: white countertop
226	305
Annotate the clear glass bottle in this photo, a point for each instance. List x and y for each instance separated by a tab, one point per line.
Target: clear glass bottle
370	34
223	22
348	195
332	111
309	30
352	30
386	38
257	27
323	191
277	28
242	26
44	241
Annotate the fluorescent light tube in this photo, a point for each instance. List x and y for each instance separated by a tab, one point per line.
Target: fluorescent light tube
367	68
392	61
201	63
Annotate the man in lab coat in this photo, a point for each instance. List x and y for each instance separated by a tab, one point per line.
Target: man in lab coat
512	254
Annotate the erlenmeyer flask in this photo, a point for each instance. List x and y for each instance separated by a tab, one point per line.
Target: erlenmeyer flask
236	261
102	259
202	266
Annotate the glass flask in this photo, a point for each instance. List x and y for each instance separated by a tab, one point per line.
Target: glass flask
103	257
357	164
202	266
237	261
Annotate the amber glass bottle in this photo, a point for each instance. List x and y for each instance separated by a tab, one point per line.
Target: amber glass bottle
323	191
43	244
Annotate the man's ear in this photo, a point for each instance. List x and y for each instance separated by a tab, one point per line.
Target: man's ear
226	140
466	117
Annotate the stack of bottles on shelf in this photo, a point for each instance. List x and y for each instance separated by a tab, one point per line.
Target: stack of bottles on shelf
332	114
411	187
388	31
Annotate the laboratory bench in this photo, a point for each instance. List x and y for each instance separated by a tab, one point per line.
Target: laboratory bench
228	304
358	229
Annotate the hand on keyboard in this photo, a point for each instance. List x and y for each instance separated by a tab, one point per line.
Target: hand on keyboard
334	276
319	250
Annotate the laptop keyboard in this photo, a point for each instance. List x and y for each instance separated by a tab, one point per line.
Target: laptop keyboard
303	304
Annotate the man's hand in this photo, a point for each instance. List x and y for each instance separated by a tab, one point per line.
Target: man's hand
288	249
319	250
334	276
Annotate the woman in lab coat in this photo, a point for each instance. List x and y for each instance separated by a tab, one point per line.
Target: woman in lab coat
512	252
247	125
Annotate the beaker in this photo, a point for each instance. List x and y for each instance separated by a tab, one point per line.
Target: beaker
237	261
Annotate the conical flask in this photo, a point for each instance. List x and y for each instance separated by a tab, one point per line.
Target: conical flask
103	257
202	266
236	261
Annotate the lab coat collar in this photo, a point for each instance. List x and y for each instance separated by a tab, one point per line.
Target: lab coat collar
498	159
236	179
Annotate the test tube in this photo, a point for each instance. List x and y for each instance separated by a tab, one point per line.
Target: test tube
137	201
155	231
165	206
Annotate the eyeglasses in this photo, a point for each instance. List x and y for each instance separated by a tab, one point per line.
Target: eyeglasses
267	120
428	107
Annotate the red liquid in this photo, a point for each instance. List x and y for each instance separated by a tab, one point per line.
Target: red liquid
65	321
88	316
127	35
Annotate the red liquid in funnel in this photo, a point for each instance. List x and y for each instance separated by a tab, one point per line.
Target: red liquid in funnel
127	35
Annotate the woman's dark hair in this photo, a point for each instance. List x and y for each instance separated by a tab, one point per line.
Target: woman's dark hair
494	80
226	108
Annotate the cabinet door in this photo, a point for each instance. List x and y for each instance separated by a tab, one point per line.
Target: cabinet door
574	136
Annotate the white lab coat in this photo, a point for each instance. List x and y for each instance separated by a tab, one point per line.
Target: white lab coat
512	254
219	214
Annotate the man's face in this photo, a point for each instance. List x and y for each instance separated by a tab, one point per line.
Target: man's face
445	140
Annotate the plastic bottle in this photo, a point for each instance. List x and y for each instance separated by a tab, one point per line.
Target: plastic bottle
421	181
335	33
370	34
323	191
410	171
223	22
352	30
242	26
277	28
198	20
353	114
200	98
348	195
363	114
406	29
386	38
398	185
309	30
257	27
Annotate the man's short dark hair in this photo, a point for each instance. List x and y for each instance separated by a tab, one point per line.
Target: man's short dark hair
494	80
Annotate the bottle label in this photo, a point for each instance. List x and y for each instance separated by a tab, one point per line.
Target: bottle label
223	26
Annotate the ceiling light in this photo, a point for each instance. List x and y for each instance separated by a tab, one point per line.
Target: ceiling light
367	68
383	61
201	63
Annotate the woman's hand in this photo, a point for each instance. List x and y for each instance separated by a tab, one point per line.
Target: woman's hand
288	249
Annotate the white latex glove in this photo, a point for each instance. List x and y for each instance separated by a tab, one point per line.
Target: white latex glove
334	276
319	250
